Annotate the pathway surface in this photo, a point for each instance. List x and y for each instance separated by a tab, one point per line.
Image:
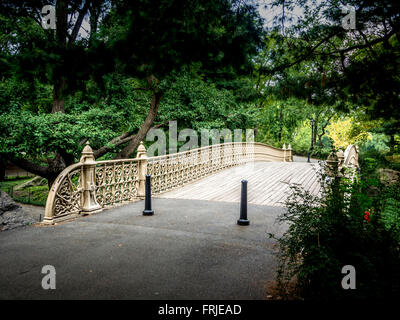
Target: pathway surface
36	212
268	183
189	249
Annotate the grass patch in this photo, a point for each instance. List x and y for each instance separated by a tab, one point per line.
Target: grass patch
36	195
12	182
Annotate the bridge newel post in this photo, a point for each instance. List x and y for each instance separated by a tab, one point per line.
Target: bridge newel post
88	180
340	156
290	152
142	170
284	152
332	164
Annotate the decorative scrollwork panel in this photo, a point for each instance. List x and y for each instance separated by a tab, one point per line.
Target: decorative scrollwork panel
116	182
68	197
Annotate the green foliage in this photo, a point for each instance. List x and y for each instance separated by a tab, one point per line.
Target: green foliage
373	153
181	33
328	232
12	182
43	134
279	120
391	216
322	152
197	104
36	195
16	94
100	113
301	141
315	58
102	80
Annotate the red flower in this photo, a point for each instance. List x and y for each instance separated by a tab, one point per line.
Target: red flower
367	216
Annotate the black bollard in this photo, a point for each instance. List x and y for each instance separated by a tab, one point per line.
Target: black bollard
147	202
243	206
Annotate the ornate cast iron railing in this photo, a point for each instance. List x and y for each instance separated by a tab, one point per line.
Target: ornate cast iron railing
90	186
116	182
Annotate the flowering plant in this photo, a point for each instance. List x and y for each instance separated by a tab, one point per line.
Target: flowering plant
368	214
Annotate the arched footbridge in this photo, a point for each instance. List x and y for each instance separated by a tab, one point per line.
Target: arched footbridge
209	173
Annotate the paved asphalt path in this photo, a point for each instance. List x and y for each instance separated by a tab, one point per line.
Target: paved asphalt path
189	249
36	212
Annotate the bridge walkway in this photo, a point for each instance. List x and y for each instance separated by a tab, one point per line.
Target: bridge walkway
268	183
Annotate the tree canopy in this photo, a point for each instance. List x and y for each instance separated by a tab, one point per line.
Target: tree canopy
112	70
144	44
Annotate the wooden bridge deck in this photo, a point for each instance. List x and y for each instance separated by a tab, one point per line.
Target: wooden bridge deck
268	183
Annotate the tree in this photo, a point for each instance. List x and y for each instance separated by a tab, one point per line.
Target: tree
292	97
144	39
360	65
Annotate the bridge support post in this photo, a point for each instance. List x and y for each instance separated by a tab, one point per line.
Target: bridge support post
243	206
142	170
290	153
284	152
340	156
332	164
89	202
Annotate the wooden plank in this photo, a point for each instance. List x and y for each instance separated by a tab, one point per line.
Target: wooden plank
268	183
298	175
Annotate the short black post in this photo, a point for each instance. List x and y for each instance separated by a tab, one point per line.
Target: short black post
243	206
147	201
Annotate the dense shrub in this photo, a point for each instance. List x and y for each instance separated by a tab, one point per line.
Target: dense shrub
330	231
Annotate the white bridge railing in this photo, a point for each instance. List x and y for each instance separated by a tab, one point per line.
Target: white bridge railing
90	186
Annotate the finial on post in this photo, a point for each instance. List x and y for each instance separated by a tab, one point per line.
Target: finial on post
332	163
340	156
87	154
141	151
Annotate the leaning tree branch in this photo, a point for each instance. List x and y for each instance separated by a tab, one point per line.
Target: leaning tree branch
284	66
146	126
125	137
366	44
79	21
30	166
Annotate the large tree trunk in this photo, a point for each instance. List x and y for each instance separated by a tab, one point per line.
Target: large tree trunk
50	172
94	9
320	139
315	134
147	124
323	131
59	81
55	167
3	163
58	96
